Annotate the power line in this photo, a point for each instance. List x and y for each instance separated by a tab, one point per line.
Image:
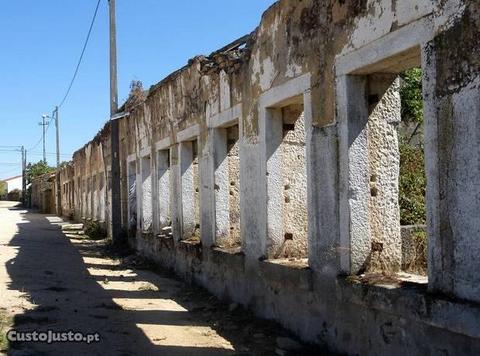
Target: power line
48	154
36	145
73	78
81	55
9	150
9	171
40	140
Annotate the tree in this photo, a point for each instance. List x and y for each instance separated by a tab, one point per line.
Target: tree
64	164
3	188
37	169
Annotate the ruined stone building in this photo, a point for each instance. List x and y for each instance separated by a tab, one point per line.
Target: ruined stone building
267	172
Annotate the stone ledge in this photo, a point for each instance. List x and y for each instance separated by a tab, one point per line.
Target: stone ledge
234	261
287	276
168	242
413	301
191	247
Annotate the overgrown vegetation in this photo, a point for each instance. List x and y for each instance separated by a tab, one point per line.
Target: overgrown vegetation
419	260
95	231
64	164
3	189
411	96
5	322
37	169
15	195
413	181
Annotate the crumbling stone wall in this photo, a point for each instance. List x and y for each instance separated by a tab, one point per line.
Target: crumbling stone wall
88	196
67	186
339	61
43	193
454	79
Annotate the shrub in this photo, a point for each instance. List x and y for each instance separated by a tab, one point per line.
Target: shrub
15	195
412	185
95	231
413	181
419	262
411	96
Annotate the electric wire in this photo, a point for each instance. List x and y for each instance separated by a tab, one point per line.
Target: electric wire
81	55
48	154
74	74
8	171
41	138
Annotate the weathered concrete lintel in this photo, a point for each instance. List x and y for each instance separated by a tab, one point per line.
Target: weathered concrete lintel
189	133
226	118
145	152
414	35
163	144
131	158
279	95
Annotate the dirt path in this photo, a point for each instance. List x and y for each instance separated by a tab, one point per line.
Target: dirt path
49	281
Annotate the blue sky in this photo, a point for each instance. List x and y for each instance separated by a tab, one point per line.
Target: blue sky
41	41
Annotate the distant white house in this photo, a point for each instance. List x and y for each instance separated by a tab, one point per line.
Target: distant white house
13	183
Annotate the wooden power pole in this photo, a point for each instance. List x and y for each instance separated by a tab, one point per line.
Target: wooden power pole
115	144
24	178
43	124
59	188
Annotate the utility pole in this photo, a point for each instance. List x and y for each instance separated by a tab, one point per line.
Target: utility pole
59	189
114	130
24	178
43	124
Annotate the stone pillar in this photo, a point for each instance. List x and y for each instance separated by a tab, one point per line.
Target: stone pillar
206	171
132	200
221	185
185	154
252	201
176	192
146	193
322	183
163	188
272	139
384	170
354	246
452	138
369	110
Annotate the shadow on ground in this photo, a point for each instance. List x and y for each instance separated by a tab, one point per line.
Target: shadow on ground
73	287
51	272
